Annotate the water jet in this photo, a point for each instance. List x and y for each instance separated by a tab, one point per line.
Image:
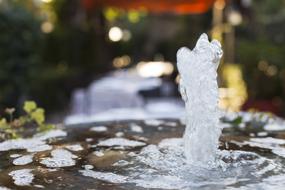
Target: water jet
199	90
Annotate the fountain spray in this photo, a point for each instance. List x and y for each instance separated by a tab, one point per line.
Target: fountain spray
199	89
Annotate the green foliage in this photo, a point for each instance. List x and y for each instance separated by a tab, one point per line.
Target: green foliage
29	106
20	41
262	85
237	120
34	116
261	41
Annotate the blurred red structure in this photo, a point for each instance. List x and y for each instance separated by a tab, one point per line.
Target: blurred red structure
274	106
158	6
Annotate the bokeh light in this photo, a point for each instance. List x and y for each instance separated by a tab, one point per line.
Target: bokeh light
234	18
115	34
120	62
154	68
47	1
47	27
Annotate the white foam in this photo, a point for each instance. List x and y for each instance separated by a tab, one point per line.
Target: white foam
153	122
121	163
20	144
15	155
171	142
279	151
136	128
164	167
99	129
268	140
140	180
4	188
160	182
75	147
88	167
50	134
274	127
35	144
171	124
274	144
60	158
122	142
119	134
23	160
22	177
88	139
39	148
104	176
98	153
262	134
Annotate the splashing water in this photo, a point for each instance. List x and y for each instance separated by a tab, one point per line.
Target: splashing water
199	90
153	157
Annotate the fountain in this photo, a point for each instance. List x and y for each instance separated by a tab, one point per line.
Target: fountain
199	90
241	150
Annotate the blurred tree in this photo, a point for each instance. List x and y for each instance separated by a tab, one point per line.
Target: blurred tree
20	44
261	51
48	48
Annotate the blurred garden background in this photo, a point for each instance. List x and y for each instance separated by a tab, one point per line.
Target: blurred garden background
84	57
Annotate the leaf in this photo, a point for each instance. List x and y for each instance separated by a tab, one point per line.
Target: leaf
237	120
14	128
15	135
12	133
3	121
46	127
4	124
23	120
38	116
29	106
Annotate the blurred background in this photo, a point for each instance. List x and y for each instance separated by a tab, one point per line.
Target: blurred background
88	60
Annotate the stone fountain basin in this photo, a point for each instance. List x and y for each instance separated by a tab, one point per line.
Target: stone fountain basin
89	156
